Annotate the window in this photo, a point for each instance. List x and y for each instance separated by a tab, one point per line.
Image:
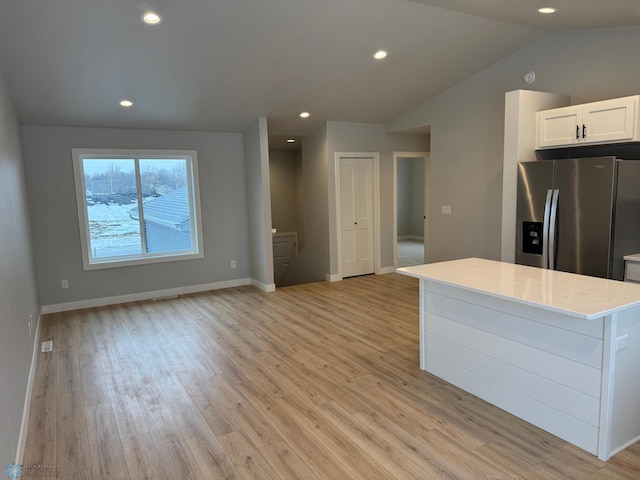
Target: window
137	206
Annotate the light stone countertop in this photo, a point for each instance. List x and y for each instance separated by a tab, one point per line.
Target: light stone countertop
634	257
577	295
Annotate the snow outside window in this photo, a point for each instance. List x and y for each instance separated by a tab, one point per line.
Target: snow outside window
137	206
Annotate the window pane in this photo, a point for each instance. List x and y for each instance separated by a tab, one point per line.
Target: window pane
112	207
166	205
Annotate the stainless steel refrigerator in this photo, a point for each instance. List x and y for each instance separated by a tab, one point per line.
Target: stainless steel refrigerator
578	215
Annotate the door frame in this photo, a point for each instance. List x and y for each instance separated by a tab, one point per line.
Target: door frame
427	168
375	156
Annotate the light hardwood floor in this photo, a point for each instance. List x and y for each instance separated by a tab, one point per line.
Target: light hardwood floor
317	381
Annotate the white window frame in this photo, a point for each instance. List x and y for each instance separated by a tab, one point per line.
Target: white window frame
191	156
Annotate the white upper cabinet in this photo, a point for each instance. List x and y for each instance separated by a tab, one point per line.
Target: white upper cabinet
609	121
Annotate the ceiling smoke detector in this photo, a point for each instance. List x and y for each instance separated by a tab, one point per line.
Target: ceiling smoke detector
529	77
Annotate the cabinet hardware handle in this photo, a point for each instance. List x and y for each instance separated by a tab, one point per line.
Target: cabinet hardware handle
577	132
584	131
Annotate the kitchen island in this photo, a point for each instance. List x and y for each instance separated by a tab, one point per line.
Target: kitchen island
559	350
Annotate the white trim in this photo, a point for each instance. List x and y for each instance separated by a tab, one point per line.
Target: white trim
423	326
613	453
271	287
24	426
375	156
134	297
607	381
427	166
332	278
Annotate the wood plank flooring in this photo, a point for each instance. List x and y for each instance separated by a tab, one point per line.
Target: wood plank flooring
316	381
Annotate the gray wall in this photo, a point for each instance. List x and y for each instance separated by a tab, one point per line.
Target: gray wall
47	152
404	197
256	146
300	200
467	127
18	289
312	264
411	180
417	196
284	166
365	137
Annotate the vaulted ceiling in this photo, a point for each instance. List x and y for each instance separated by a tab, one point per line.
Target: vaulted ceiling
217	65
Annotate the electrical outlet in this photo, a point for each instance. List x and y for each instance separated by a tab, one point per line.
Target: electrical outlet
233	264
65	283
623	342
47	346
446	210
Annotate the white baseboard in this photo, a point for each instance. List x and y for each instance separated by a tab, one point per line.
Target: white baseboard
332	278
134	297
624	447
24	426
271	287
385	270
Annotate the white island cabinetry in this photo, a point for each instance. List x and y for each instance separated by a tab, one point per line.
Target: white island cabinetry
540	344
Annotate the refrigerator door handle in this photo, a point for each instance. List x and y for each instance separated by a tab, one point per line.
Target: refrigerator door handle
545	230
553	220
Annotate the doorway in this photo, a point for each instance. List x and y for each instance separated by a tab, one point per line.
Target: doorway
287	206
411	208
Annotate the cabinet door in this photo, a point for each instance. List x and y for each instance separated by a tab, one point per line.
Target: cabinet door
610	120
559	127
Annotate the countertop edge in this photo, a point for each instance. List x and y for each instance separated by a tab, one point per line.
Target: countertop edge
543	306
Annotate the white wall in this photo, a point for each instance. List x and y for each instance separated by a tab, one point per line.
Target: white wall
18	288
47	152
256	146
467	127
364	137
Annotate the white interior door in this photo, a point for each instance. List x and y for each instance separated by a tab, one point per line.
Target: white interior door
356	216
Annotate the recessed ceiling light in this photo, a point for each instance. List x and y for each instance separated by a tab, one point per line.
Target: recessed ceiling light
290	140
151	18
305	114
547	10
126	103
380	54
